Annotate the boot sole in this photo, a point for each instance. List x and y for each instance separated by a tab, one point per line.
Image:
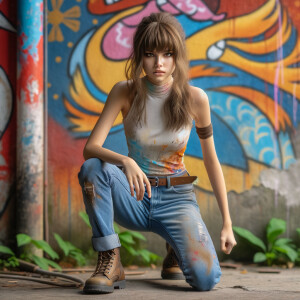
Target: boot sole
172	276
103	289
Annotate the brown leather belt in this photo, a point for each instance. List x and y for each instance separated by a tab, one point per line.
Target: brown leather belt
174	180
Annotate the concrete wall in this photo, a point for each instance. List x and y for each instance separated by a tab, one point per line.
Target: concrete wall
244	54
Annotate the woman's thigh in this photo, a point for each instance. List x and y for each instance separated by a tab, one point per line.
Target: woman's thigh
128	211
111	195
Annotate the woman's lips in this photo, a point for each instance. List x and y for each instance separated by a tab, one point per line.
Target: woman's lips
159	72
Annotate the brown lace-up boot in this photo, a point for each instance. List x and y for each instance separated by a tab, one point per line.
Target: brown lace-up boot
171	269
109	274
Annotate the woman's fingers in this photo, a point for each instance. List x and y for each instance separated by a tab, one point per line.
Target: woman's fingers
136	187
223	247
136	178
227	239
227	246
131	187
142	188
148	185
137	183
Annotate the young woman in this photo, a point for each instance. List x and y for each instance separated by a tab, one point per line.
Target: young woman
150	189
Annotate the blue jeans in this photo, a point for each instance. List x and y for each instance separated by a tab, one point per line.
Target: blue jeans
172	212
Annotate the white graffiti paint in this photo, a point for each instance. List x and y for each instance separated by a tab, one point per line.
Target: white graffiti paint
6	101
122	41
216	50
5	24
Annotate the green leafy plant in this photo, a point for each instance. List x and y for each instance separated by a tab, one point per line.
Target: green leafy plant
131	242
298	250
11	261
276	250
70	250
44	263
84	216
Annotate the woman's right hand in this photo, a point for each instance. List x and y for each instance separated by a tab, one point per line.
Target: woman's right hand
136	177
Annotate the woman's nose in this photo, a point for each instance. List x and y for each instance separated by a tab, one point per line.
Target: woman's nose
159	60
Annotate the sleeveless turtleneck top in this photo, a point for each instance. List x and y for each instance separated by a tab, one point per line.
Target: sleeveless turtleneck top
155	149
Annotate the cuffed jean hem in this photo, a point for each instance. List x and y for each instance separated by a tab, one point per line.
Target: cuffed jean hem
106	242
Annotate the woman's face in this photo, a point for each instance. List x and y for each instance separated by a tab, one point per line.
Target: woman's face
158	66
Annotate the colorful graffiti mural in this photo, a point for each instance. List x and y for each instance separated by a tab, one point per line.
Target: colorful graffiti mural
8	70
249	72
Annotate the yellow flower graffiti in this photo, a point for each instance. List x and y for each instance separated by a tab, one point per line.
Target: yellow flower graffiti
56	18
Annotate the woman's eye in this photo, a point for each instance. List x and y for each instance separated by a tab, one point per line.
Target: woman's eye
169	54
148	54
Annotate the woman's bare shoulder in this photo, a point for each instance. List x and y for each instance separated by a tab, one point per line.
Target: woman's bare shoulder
200	106
199	97
122	87
120	94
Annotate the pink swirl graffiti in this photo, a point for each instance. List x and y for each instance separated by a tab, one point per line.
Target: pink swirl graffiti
118	39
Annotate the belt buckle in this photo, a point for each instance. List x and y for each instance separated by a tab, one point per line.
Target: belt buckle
156	181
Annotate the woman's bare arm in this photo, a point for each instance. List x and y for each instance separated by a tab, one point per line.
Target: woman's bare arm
116	101
202	119
93	147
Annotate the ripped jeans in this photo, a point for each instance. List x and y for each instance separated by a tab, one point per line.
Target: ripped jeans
172	212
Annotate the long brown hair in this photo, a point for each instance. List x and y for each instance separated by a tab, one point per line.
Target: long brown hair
160	31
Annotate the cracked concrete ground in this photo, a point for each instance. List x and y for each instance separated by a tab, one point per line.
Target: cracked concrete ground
244	283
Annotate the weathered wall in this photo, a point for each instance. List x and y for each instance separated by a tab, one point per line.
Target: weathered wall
8	71
244	54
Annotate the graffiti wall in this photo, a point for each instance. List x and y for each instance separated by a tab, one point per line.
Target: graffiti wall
244	54
8	70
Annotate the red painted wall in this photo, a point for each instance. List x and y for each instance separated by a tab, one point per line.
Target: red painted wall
8	55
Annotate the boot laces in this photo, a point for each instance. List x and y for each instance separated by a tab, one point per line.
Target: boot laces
105	262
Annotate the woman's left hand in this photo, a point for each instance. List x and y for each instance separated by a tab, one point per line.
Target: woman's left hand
227	239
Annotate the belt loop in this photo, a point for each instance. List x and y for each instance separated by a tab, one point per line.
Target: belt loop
168	182
156	181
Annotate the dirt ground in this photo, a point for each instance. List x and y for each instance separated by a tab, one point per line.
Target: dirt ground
244	282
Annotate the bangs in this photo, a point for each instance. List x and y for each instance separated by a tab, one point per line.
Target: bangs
160	32
159	38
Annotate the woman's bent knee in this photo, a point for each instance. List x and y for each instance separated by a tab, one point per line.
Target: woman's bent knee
202	281
89	168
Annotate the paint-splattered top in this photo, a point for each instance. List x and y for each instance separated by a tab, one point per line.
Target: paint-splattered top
154	148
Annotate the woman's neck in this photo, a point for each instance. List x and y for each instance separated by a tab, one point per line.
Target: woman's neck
159	90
